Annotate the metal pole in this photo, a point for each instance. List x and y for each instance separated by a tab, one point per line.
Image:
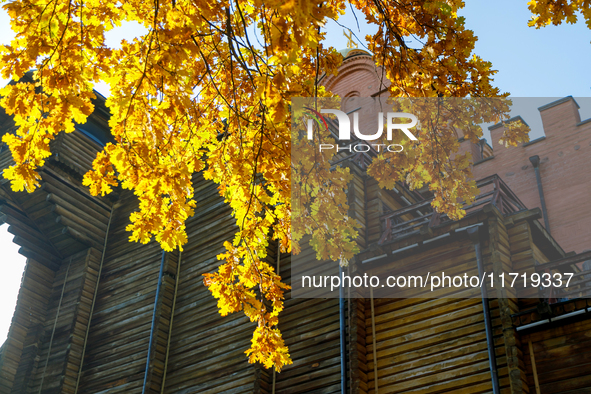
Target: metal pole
535	161
150	344
176	290
492	360
342	334
278	273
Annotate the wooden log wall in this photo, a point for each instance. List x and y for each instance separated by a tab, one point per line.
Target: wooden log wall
206	349
498	249
554	358
58	359
60	218
362	207
525	254
158	352
310	326
118	340
508	351
357	201
523	259
429	345
310	329
26	330
58	226
357	337
562	358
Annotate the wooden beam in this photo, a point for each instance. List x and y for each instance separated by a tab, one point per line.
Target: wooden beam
533	366
529	215
566	261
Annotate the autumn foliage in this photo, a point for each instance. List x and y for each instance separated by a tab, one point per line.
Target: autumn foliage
207	88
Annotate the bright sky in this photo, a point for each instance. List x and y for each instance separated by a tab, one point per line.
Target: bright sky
12	265
549	63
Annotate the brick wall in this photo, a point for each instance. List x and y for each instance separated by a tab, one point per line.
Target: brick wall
357	77
565	169
565	155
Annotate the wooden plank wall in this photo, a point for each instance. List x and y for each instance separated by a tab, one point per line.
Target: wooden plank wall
498	257
163	311
310	329
430	345
562	357
206	349
120	327
20	348
62	352
524	254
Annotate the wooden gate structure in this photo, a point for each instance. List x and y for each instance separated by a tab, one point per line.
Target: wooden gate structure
98	314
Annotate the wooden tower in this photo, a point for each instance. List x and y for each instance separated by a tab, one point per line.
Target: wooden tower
98	314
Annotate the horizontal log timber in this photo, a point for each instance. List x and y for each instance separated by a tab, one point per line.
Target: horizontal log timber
565	263
71	189
78	236
73	212
93	234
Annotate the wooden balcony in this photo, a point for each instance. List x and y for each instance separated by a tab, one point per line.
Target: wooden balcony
412	218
